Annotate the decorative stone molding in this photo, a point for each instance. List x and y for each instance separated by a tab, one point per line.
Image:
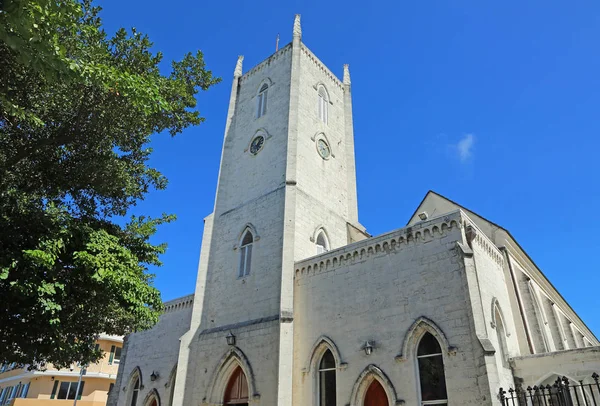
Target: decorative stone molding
376	246
322	344
185	302
267	62
266	81
172	376
297	32
255	236
238	67
346	79
476	236
320	84
135	374
366	377
486	344
321	135
153	394
321	66
261	131
228	363
413	335
493	322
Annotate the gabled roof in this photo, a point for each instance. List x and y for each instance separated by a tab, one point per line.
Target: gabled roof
485	224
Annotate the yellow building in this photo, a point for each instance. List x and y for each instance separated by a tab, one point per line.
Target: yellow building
52	387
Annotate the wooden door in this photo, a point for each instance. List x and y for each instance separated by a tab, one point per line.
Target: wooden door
376	395
237	389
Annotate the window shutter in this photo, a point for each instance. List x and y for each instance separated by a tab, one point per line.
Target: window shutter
25	390
112	354
265	103
54	390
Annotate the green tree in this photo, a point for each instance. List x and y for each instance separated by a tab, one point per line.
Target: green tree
77	109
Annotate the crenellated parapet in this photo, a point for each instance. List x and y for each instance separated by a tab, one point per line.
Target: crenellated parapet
476	236
311	57
184	302
384	244
277	55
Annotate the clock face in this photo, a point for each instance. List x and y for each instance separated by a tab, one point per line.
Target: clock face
323	148
257	144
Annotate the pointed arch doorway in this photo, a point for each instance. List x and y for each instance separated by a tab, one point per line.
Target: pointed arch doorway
376	395
237	389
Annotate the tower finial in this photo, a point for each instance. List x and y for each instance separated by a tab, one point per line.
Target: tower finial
346	74
238	67
297	27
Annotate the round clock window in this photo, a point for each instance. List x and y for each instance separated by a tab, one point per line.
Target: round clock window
257	144
323	148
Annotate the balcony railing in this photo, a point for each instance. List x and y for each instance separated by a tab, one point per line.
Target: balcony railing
563	392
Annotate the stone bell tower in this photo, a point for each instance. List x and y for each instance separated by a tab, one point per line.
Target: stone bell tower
286	189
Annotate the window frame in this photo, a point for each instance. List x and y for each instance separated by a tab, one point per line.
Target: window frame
418	369
245	261
322	248
135	391
262	100
500	328
323	104
78	394
320	370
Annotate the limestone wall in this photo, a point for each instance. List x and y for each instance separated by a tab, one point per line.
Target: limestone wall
377	290
154	350
577	364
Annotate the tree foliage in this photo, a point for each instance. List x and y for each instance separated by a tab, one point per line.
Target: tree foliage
77	109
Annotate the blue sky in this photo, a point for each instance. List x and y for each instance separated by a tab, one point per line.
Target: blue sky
492	104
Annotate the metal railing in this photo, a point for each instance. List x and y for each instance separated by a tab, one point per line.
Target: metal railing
563	392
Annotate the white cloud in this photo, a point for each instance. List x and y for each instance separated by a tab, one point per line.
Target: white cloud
465	147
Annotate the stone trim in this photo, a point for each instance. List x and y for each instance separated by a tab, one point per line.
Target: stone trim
172	375
381	245
414	333
128	389
312	57
267	61
248	227
475	235
152	394
323	343
180	303
231	359
493	323
367	376
240	324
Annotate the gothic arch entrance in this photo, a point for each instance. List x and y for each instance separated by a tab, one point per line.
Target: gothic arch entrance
376	395
237	389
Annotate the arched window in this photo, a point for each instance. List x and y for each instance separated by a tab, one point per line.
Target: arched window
327	386
246	254
172	388
262	101
375	395
322	243
237	389
135	391
431	371
501	334
323	102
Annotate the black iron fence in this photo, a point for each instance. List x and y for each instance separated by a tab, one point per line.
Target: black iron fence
563	392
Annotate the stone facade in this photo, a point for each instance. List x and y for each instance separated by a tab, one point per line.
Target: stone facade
318	282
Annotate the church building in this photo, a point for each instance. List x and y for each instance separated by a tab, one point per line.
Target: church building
296	304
